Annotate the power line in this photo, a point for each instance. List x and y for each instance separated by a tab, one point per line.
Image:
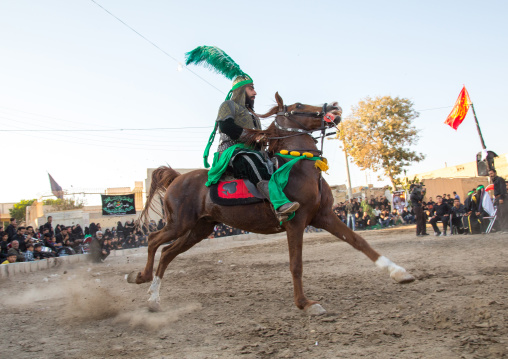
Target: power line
435	108
113	129
123	134
154	45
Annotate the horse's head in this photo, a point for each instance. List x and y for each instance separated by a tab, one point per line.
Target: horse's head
307	117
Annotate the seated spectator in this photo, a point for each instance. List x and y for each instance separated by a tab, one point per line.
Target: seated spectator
11	258
407	216
29	254
384	219
449	200
395	217
430	204
63	235
457	212
20	257
377	213
106	249
30	229
360	224
77	231
108	234
160	225
440	212
50	242
20	237
29	239
368	222
116	244
39	254
384	202
143	242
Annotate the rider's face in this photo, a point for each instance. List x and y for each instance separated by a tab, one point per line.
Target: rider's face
250	92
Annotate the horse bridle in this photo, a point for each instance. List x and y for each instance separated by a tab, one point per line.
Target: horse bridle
304	130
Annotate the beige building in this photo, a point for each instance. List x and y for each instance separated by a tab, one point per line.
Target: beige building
460	178
4	213
467	170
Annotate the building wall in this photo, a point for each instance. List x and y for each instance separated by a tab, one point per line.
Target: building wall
467	170
440	186
4	211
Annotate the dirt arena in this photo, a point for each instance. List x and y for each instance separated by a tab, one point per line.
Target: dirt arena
235	300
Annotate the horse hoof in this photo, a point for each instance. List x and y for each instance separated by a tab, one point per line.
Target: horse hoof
315	309
154	307
131	277
402	277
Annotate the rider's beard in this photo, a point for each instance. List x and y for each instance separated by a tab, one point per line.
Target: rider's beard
249	102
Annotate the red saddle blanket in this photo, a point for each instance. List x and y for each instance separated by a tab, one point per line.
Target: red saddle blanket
232	193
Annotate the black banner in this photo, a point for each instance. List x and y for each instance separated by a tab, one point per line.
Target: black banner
118	205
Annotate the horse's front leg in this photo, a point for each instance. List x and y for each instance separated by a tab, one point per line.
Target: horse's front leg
295	244
329	222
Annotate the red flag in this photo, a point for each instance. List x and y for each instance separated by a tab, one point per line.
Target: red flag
460	109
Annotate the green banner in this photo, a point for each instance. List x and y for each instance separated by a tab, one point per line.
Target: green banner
118	205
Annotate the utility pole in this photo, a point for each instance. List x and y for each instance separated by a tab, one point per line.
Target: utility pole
349	188
478	128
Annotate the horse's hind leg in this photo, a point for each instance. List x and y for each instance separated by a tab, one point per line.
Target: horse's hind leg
202	230
330	223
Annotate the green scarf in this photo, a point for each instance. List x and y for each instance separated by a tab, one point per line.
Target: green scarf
277	183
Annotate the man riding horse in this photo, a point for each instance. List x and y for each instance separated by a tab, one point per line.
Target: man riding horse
236	114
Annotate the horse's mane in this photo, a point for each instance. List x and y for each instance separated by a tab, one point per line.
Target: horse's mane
272	112
251	136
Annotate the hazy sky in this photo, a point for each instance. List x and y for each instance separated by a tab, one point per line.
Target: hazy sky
70	65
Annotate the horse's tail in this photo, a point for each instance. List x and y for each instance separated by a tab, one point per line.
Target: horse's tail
162	177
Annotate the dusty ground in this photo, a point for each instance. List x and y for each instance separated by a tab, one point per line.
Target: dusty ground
234	300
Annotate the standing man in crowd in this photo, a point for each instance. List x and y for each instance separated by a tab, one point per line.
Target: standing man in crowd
416	197
500	199
11	229
351	209
48	225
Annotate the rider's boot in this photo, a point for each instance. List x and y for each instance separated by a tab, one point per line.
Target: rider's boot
286	208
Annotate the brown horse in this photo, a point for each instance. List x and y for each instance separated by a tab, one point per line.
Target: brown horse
191	215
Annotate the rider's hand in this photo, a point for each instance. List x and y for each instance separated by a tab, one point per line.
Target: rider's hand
260	138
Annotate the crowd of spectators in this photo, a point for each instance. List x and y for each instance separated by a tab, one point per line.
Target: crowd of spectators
375	213
448	210
223	230
20	244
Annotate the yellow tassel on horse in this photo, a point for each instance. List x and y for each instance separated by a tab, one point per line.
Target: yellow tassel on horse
322	164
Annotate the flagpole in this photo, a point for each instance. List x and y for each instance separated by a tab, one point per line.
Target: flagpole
478	128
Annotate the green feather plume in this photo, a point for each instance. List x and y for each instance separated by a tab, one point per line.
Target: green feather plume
215	59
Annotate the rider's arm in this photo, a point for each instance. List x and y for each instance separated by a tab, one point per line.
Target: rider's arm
230	128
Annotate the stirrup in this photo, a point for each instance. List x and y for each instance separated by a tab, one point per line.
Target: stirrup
282	217
288	208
